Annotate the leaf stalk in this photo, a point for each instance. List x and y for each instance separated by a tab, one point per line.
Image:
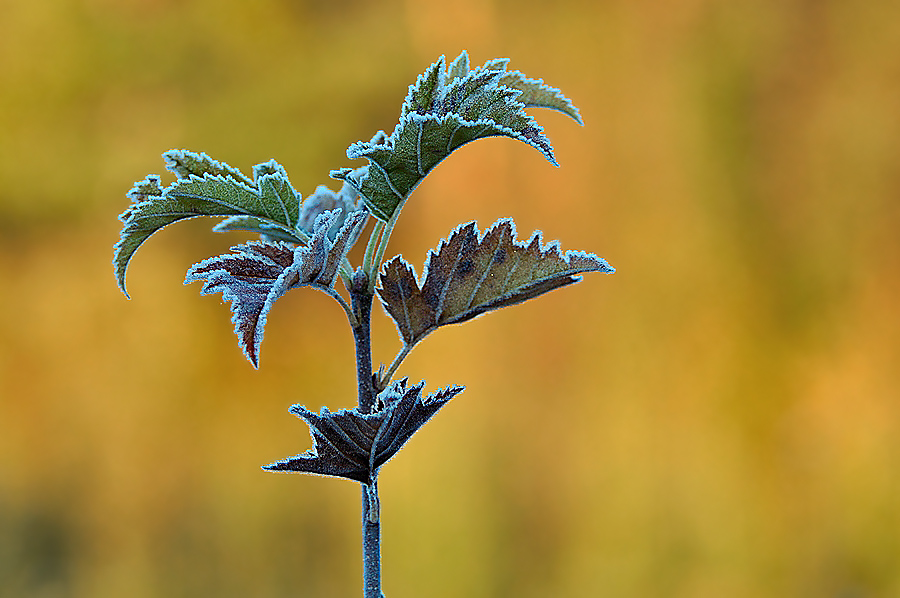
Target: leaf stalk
386	376
370	247
351	316
379	253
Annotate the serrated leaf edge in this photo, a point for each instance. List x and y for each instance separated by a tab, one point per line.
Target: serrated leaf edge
383	418
439	82
549	250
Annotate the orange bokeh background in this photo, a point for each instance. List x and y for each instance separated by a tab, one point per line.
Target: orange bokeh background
718	418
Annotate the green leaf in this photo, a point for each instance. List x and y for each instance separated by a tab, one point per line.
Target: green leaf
279	202
470	274
147	189
267	204
536	93
320	201
212	195
445	109
185	164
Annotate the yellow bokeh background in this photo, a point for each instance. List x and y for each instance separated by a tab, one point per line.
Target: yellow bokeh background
720	418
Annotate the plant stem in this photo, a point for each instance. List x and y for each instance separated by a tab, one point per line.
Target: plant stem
361	304
371	521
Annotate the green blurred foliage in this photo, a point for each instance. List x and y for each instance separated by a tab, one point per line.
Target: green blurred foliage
719	418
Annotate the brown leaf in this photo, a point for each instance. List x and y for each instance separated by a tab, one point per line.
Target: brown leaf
403	300
469	275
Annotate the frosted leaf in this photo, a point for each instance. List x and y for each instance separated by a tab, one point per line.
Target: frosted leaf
354	445
266	230
470	274
323	200
445	109
206	187
258	273
186	163
149	188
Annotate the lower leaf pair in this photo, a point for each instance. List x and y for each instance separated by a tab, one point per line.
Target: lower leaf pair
354	445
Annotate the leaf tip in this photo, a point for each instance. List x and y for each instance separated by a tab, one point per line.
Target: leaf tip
121	285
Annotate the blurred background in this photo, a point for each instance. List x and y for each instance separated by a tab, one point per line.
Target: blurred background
718	418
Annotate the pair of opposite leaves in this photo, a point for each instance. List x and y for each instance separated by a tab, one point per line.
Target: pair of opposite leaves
304	243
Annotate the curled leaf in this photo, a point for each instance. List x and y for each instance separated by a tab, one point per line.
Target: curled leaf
470	274
259	273
537	93
206	187
323	200
445	109
353	445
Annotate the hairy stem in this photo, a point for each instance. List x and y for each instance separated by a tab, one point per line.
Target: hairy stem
361	304
371	522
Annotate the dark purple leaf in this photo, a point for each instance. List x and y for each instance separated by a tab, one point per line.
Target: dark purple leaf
350	444
259	273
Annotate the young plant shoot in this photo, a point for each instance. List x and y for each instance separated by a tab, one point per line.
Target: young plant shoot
304	243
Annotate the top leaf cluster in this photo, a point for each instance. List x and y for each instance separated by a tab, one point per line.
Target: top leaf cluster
304	242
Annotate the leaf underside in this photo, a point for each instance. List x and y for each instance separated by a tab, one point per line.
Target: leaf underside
322	200
445	109
468	275
353	445
259	273
266	231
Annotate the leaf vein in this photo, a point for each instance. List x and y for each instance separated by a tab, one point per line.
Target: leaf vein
421	127
439	309
387	179
484	275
